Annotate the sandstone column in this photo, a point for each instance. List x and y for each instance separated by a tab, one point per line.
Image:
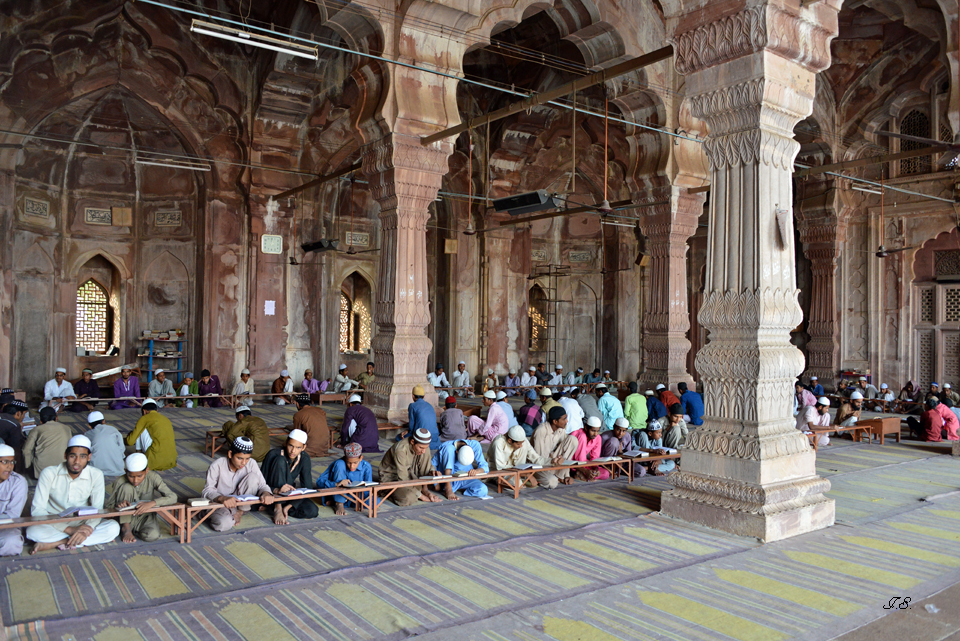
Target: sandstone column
404	178
747	470
821	233
668	227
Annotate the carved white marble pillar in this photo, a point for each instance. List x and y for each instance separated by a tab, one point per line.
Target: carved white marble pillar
747	469
404	178
666	323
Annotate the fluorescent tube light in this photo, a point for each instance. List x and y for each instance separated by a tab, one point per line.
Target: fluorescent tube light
867	190
173	164
254	40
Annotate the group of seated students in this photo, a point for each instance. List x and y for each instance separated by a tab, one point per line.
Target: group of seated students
70	468
84	395
939	413
513	384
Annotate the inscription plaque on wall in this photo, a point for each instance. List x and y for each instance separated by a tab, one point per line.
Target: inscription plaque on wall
169	218
539	254
946	264
358	239
270	244
580	257
35	207
97	216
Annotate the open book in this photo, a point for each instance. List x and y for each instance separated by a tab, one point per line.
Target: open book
569	462
364	483
528	466
605	459
246	497
5	521
79	511
433	478
132	506
669	450
636	454
298	491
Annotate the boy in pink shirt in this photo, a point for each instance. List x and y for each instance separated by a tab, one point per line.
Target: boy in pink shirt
588	448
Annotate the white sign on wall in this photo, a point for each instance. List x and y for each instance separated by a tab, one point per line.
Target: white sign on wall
539	254
271	244
358	239
580	257
97	216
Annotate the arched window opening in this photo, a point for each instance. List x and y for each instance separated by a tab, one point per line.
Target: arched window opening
915	123
94	322
355	317
538	319
346	323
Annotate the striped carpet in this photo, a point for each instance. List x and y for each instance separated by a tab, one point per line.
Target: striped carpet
568	564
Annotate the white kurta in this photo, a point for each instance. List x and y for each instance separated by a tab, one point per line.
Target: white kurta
342	383
528	380
241	389
438	381
52	390
462	379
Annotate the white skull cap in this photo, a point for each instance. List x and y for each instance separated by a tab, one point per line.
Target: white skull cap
136	462
823	400
299	436
593	421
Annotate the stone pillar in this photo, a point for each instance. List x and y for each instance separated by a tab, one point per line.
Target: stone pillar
748	470
404	178
666	324
821	234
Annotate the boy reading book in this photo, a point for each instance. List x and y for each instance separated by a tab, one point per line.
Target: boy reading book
144	489
462	456
652	442
346	472
287	468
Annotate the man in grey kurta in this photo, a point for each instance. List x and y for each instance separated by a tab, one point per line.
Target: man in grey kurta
144	488
236	475
108	445
13	496
160	387
407	460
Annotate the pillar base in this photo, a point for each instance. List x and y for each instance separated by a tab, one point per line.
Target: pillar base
771	522
390	405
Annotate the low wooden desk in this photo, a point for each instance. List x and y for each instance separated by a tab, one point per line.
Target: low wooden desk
214	438
332	397
392	486
882	426
858	430
622	466
356	494
173	514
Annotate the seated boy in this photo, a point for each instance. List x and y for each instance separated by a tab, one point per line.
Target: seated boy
288	468
651	440
461	456
145	488
345	471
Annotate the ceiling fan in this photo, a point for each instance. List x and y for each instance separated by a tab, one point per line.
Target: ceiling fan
883	252
949	158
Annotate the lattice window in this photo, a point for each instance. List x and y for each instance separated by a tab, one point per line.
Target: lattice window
925	351
952	306
946	135
93	313
361	325
915	123
951	357
538	320
927	305
346	323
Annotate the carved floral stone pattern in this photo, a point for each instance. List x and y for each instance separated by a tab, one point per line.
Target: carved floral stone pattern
947	263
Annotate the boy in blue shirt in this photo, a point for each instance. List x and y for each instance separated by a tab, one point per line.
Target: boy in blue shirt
464	456
344	472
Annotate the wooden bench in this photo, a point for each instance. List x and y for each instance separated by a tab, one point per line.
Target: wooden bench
174	514
882	426
214	437
622	466
362	497
392	486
